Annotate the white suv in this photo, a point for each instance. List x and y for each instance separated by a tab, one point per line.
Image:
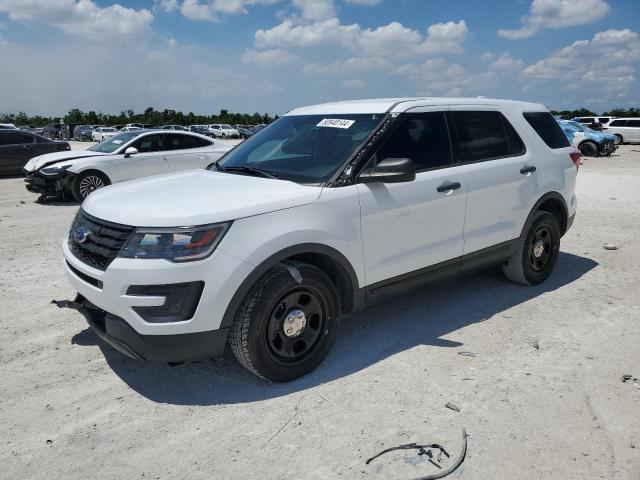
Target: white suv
626	130
222	130
330	209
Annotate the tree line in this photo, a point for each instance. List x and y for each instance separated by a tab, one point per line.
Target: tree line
583	112
149	117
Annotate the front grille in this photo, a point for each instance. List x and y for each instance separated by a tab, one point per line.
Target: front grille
103	242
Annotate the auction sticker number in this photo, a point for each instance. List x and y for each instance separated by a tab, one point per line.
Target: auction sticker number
336	123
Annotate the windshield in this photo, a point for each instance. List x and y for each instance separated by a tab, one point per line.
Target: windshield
111	144
226	127
303	148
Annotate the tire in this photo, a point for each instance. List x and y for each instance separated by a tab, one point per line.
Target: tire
536	252
87	182
224	136
618	138
259	337
589	149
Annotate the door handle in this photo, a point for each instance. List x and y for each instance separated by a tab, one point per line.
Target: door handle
447	186
527	170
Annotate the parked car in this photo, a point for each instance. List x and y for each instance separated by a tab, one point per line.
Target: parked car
246	132
174	127
17	147
589	142
7	126
125	156
102	133
626	130
83	133
604	120
201	129
31	129
52	131
222	130
332	208
129	129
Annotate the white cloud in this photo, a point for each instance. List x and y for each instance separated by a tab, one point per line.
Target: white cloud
605	64
368	3
557	14
315	9
210	10
167	5
391	40
276	56
82	18
506	63
354	83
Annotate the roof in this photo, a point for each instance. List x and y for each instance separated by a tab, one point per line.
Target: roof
401	104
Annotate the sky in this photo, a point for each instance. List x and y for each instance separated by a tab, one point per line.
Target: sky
270	56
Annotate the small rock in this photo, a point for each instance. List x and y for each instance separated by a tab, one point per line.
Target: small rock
626	377
22	202
49	442
610	246
536	345
451	406
467	354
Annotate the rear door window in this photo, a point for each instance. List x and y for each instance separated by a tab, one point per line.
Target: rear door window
618	123
14	138
633	123
151	143
547	128
484	135
422	137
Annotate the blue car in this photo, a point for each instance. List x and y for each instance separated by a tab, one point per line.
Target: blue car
590	142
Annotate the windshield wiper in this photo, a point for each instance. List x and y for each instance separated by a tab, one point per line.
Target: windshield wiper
247	168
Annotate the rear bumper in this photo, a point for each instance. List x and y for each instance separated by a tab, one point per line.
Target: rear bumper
154	348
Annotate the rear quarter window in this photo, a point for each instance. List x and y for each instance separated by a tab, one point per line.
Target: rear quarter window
547	128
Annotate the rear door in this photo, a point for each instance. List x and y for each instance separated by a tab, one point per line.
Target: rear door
186	152
501	173
407	227
151	158
632	131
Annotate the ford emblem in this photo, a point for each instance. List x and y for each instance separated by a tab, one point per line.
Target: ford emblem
80	234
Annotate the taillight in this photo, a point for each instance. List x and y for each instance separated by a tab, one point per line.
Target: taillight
576	158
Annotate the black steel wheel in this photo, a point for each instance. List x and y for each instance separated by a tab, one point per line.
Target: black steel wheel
286	324
536	251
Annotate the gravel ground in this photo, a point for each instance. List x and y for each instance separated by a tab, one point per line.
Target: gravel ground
541	398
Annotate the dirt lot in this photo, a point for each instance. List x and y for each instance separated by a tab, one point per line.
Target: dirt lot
541	398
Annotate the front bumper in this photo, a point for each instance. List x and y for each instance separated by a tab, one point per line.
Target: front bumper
155	348
607	147
47	184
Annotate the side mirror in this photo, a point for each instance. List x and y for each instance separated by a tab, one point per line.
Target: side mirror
130	151
390	170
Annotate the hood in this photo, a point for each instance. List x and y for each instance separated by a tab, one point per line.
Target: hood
197	197
40	161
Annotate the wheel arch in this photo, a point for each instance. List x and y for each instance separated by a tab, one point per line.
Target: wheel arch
554	203
326	258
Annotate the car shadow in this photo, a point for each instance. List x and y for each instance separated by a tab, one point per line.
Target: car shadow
421	318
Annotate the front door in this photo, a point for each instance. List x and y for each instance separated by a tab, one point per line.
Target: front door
151	158
407	227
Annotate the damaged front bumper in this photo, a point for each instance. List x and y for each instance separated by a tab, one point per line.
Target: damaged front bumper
155	348
37	182
607	147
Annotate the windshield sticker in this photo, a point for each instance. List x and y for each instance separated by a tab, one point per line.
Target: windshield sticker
336	123
117	142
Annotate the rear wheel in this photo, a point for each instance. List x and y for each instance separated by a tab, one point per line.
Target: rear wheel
286	326
536	252
87	182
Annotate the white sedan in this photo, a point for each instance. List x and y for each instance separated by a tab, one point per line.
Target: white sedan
101	133
125	156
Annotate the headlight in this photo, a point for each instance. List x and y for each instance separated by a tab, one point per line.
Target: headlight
180	244
54	170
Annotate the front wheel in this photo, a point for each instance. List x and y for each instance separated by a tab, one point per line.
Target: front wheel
287	322
589	149
618	140
536	252
87	182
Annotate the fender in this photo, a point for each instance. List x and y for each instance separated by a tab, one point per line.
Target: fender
303	248
551	196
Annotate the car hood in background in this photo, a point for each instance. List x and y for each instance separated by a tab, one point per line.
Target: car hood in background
196	197
40	161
